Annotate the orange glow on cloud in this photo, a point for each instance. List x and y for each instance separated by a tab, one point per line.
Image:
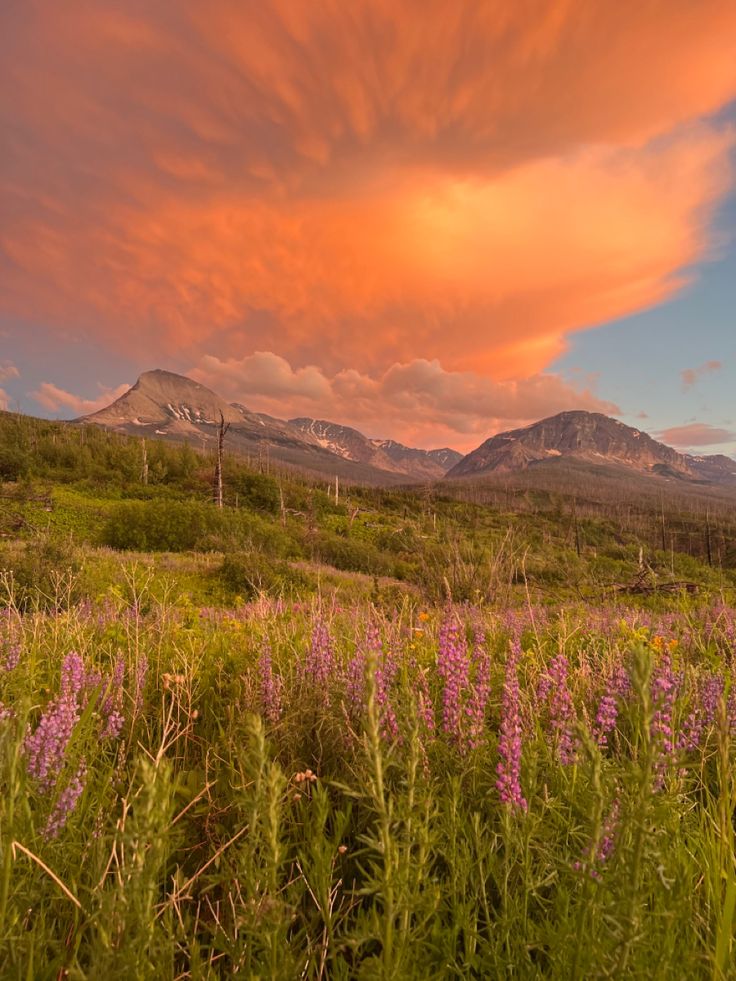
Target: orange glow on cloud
359	186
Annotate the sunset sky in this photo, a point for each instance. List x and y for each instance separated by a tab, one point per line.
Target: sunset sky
430	219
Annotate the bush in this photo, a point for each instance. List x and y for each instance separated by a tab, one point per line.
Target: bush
43	574
247	574
13	463
353	556
161	526
257	491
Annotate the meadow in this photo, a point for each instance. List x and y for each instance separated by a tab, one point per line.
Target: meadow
296	789
406	734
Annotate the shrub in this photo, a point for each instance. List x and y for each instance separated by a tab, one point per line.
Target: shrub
43	574
248	573
161	526
353	556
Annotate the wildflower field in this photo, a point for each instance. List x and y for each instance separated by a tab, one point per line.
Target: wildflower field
287	790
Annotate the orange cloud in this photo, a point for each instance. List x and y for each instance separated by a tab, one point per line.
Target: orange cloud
418	403
696	434
357	185
56	399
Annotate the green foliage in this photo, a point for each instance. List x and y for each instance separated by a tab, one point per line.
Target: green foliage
13	463
246	574
358	556
256	491
42	574
161	526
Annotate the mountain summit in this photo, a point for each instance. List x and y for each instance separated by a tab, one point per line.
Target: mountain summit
593	438
165	399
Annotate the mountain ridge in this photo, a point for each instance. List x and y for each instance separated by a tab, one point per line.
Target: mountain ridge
163	404
594	438
386	454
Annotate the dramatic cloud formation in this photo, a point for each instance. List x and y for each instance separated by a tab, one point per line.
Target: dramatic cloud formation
696	434
55	399
691	375
358	186
418	402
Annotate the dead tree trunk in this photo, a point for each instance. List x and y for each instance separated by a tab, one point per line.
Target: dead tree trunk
144	463
217	482
708	546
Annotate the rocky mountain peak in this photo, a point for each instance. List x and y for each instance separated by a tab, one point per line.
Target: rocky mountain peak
588	436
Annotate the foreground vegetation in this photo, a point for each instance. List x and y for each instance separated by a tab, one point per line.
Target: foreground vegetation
278	791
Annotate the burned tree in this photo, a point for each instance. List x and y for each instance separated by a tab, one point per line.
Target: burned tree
217	481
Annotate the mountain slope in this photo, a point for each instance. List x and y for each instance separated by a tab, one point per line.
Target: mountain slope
385	454
593	438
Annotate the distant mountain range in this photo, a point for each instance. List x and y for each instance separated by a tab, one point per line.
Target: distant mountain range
164	405
385	454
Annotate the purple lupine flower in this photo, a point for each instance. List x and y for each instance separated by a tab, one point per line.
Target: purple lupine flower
606	716
355	682
66	802
10	658
508	770
74	678
5	712
620	682
454	668
562	711
46	747
270	685
664	687
702	713
384	677
320	660
476	708
711	692
543	689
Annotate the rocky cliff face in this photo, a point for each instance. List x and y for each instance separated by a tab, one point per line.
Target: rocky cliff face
587	436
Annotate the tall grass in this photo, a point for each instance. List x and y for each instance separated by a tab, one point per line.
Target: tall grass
333	809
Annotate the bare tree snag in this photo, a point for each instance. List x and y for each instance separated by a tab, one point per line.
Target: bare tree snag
217	482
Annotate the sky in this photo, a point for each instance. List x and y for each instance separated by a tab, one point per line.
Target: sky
430	219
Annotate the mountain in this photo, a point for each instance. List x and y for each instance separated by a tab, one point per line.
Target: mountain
164	405
717	469
592	438
384	454
432	462
163	399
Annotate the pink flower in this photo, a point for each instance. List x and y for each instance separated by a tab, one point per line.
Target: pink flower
508	771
